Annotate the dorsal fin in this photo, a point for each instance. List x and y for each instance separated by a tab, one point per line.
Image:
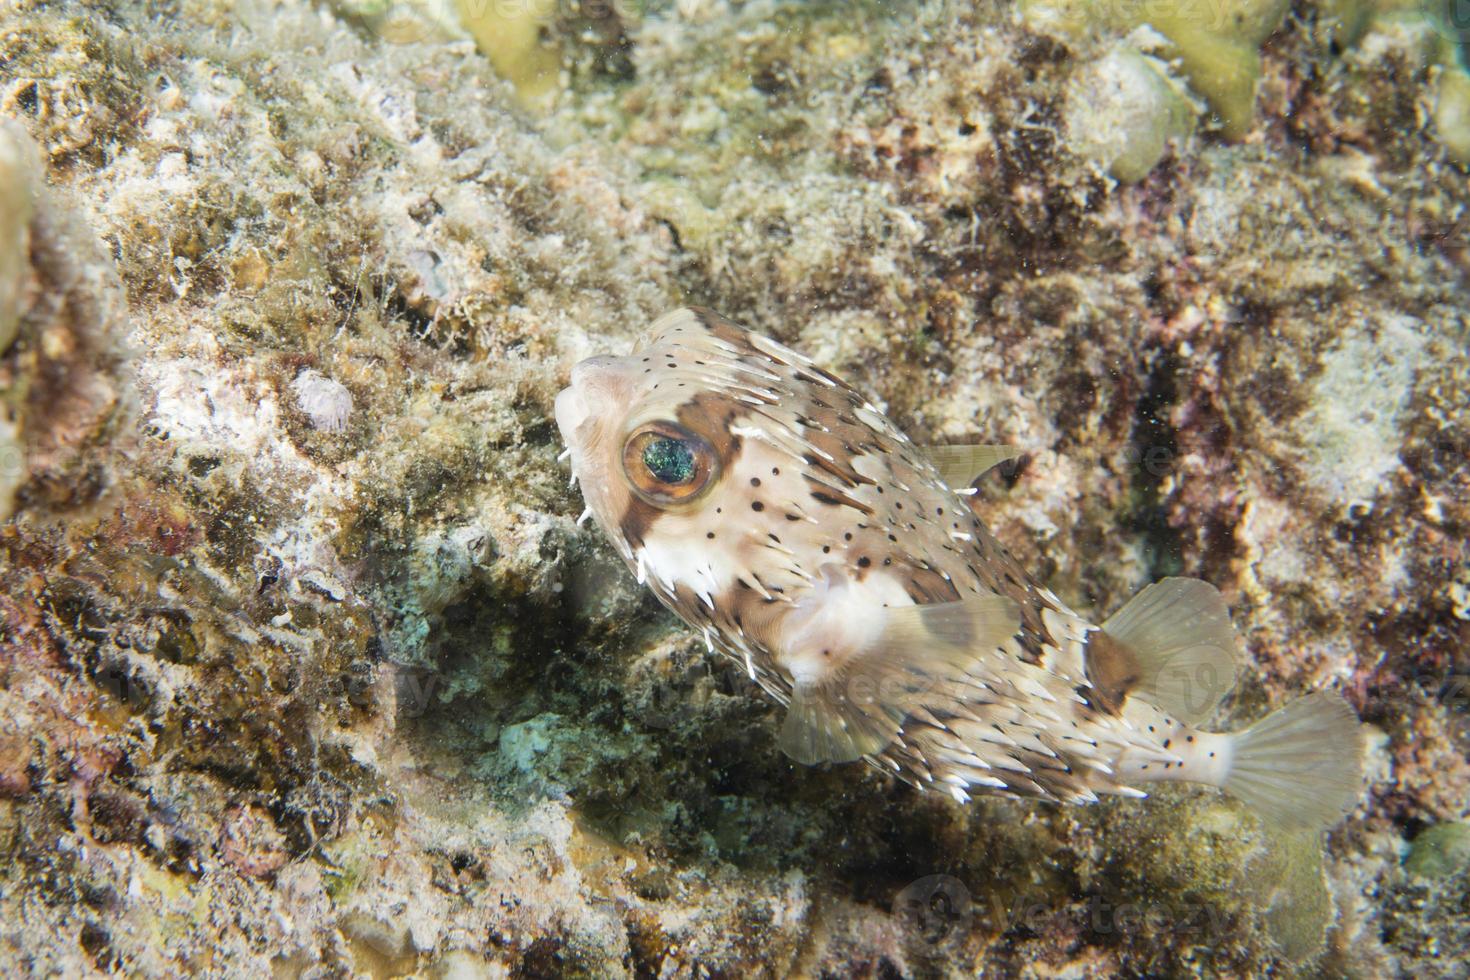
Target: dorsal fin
857	709
1178	631
961	466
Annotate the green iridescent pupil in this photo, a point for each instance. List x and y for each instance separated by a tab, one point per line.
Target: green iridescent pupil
669	460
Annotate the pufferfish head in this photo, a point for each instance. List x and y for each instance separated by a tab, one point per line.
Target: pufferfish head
657	445
771	505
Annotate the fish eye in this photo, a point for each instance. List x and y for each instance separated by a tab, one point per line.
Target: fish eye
671	461
668	464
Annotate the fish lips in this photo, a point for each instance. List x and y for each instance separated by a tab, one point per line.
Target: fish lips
598	391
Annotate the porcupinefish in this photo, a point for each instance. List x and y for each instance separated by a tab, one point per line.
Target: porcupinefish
776	510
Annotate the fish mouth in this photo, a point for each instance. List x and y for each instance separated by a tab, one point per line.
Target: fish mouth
572	411
591	399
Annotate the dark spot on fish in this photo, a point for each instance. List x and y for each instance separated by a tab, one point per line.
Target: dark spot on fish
636	521
826	549
709	534
757	505
1113	670
755	481
864	561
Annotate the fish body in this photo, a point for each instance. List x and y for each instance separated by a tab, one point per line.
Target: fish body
776	510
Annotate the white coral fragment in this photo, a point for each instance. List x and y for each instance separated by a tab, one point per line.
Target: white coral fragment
326	402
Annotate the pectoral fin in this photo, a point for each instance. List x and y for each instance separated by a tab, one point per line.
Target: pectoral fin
962	465
858	706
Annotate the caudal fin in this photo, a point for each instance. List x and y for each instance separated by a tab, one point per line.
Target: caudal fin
1302	766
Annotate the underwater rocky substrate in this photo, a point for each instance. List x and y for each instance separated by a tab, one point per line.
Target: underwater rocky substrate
327	685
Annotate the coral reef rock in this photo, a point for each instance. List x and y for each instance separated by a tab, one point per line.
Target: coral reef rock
306	665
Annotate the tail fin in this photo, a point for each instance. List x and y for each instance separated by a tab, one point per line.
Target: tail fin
1300	767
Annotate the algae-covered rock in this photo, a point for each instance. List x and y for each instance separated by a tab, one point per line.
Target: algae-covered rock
1440	851
1124	110
307	666
1452	112
1218	46
513	37
61	324
1433	34
19	172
